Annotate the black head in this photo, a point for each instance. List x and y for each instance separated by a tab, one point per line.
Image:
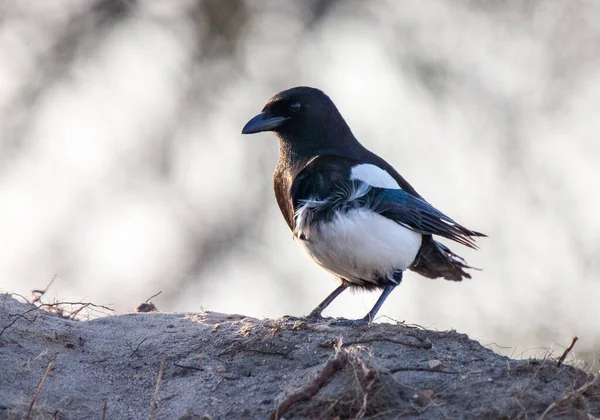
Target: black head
303	117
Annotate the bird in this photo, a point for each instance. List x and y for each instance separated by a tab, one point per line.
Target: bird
348	208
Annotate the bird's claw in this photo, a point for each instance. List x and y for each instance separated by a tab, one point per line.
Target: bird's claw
310	318
343	322
315	317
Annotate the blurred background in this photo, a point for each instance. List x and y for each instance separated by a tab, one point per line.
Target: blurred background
123	171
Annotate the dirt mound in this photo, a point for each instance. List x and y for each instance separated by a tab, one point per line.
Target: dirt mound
210	365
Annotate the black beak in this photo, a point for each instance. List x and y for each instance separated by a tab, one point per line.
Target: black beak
262	123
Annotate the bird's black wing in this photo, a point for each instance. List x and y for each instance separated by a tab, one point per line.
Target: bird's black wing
420	216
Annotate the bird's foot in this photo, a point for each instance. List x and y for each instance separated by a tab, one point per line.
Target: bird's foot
343	322
315	317
311	318
291	318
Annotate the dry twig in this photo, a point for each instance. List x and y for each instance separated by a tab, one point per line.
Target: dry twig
74	313
134	350
158	379
573	394
331	367
562	358
424	345
51	306
370	376
39	388
153	296
37	294
420	369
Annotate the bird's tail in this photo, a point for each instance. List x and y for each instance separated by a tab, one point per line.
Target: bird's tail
436	260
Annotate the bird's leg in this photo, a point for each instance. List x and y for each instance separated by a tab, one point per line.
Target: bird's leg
316	313
368	318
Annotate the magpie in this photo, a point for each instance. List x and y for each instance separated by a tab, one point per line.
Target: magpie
348	208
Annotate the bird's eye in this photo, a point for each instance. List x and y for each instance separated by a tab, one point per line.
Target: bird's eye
295	107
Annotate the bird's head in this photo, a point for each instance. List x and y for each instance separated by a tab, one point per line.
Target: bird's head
302	117
293	109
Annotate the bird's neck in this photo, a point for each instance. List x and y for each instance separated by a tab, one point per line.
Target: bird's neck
334	139
293	155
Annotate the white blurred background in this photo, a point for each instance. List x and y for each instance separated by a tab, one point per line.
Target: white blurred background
123	171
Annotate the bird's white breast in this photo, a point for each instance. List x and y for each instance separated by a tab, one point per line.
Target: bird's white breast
361	245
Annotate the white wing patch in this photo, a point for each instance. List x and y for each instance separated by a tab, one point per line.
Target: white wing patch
374	176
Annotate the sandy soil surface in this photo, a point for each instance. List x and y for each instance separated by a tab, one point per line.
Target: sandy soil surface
217	366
